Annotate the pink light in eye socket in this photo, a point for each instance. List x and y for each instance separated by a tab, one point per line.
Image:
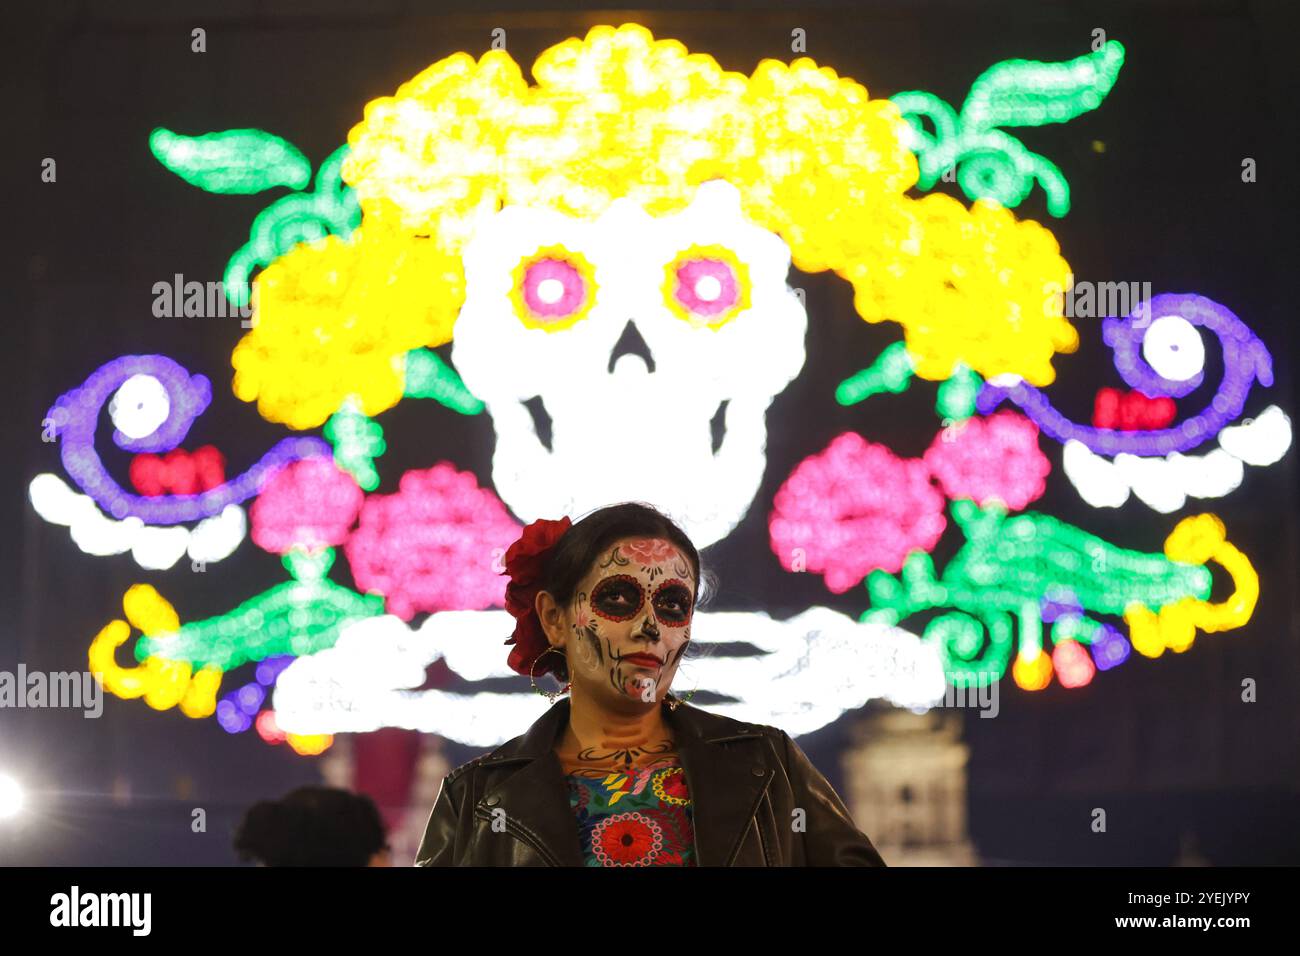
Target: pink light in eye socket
706	286
553	288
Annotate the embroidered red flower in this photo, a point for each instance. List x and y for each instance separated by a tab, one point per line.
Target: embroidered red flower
631	840
670	787
524	561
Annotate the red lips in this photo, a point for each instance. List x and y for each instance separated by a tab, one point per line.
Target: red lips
648	660
1131	411
179	472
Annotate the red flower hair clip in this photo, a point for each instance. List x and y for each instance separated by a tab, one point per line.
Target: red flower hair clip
524	561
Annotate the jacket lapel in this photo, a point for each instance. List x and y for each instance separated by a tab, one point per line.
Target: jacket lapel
722	782
535	798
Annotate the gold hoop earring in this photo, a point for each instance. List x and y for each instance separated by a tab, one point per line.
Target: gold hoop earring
673	700
533	680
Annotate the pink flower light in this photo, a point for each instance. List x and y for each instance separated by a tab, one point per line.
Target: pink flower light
308	504
433	545
853	508
987	458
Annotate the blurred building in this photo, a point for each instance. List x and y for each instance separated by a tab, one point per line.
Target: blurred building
905	784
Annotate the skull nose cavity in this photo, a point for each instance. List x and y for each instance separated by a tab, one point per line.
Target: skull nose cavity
631	343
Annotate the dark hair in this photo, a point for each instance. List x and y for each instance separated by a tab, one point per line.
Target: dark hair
312	826
571	559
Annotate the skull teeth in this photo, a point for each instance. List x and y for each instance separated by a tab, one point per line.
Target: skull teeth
542	423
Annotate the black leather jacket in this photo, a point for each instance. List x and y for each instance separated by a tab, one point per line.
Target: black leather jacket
510	807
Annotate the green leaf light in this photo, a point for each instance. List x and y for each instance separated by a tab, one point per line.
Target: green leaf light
957	394
428	376
297	617
329	209
1009	568
358	441
990	163
890	372
238	161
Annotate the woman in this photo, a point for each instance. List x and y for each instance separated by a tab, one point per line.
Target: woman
623	773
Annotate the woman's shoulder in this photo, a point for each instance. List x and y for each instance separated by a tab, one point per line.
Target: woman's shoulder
714	727
718	727
510	750
458	773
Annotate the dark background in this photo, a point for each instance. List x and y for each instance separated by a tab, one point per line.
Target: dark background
1166	746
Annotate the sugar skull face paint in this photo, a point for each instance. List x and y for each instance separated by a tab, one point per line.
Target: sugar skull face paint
630	621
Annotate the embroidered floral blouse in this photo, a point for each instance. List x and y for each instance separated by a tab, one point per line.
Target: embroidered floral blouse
634	818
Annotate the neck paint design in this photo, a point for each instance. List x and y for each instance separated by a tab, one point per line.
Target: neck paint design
627	758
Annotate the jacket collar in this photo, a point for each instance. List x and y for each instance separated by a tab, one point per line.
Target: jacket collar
725	783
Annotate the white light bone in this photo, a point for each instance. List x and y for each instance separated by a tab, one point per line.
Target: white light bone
1261	440
1165	484
153	548
811	669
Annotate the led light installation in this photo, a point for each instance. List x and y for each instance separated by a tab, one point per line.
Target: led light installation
297	617
152	402
330	209
990	163
433	546
233	161
1159	352
857	507
824	662
1015	573
163	683
619	232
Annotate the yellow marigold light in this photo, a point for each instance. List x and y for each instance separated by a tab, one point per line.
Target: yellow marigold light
621	114
335	318
1198	539
162	683
1032	671
309	745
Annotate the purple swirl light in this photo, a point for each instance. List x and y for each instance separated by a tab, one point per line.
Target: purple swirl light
75	417
1245	360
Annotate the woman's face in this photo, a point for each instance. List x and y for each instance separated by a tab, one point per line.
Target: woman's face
628	624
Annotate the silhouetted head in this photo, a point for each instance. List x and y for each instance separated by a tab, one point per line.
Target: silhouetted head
313	826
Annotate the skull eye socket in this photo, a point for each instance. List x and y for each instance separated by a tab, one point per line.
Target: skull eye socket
707	285
552	289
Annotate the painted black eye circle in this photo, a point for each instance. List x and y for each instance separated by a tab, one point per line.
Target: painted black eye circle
672	602
618	597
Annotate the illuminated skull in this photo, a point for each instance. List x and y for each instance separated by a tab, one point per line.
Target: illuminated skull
649	347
